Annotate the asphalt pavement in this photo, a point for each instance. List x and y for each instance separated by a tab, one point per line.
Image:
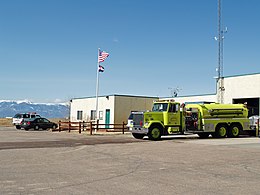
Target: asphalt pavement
44	162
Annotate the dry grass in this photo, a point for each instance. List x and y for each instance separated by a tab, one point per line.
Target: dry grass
7	122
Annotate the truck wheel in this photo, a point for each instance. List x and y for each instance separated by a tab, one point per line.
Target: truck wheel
203	135
154	133
221	131
234	131
138	135
18	127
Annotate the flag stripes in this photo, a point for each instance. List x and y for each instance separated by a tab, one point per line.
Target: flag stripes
102	56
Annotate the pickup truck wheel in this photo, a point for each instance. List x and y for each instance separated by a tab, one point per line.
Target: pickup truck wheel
221	131
154	133
138	135
203	135
36	127
234	131
18	127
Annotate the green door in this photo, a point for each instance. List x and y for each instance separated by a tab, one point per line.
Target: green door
107	118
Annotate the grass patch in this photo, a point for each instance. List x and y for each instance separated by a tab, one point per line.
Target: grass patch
6	122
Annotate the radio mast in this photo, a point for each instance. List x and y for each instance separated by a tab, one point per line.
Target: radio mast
220	39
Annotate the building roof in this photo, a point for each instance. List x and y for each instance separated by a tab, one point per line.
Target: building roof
193	95
249	74
119	95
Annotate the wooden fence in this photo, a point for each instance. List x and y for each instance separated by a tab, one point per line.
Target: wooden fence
91	127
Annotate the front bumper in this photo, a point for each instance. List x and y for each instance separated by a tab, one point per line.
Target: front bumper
139	130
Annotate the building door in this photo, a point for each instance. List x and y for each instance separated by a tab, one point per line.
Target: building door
107	118
251	103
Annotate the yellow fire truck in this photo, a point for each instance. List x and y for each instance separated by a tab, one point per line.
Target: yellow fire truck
169	117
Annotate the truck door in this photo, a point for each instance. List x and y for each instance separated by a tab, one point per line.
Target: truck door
174	115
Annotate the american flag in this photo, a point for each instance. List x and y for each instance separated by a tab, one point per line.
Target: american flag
102	55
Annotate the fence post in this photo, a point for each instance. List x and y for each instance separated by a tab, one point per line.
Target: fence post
59	125
257	128
83	126
90	131
69	126
123	127
79	127
97	126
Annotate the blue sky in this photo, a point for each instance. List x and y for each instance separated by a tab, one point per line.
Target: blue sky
48	48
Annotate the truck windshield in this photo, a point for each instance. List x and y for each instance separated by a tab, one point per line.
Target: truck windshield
160	107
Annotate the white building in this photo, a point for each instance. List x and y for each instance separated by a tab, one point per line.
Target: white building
237	89
116	108
112	109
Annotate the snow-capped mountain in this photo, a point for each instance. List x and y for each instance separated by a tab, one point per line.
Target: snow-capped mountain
9	108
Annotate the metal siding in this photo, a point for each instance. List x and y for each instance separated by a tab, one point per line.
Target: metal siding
124	106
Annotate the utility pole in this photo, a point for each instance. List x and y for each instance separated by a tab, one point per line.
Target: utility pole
220	39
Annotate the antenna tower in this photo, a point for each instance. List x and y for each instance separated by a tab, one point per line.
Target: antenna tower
220	39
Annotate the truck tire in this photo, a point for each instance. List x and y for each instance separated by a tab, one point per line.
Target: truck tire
203	135
234	130
220	131
155	133
18	127
138	135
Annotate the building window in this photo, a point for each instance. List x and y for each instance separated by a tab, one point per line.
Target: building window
79	114
100	115
93	115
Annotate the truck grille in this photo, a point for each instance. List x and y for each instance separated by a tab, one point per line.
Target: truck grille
138	119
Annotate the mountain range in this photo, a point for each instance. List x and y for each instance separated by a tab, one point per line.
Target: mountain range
8	108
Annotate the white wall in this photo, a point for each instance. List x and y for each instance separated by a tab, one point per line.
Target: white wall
245	86
104	103
88	104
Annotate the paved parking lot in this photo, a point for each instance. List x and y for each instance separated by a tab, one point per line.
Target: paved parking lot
68	163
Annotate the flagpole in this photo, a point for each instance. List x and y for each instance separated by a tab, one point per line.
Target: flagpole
97	89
